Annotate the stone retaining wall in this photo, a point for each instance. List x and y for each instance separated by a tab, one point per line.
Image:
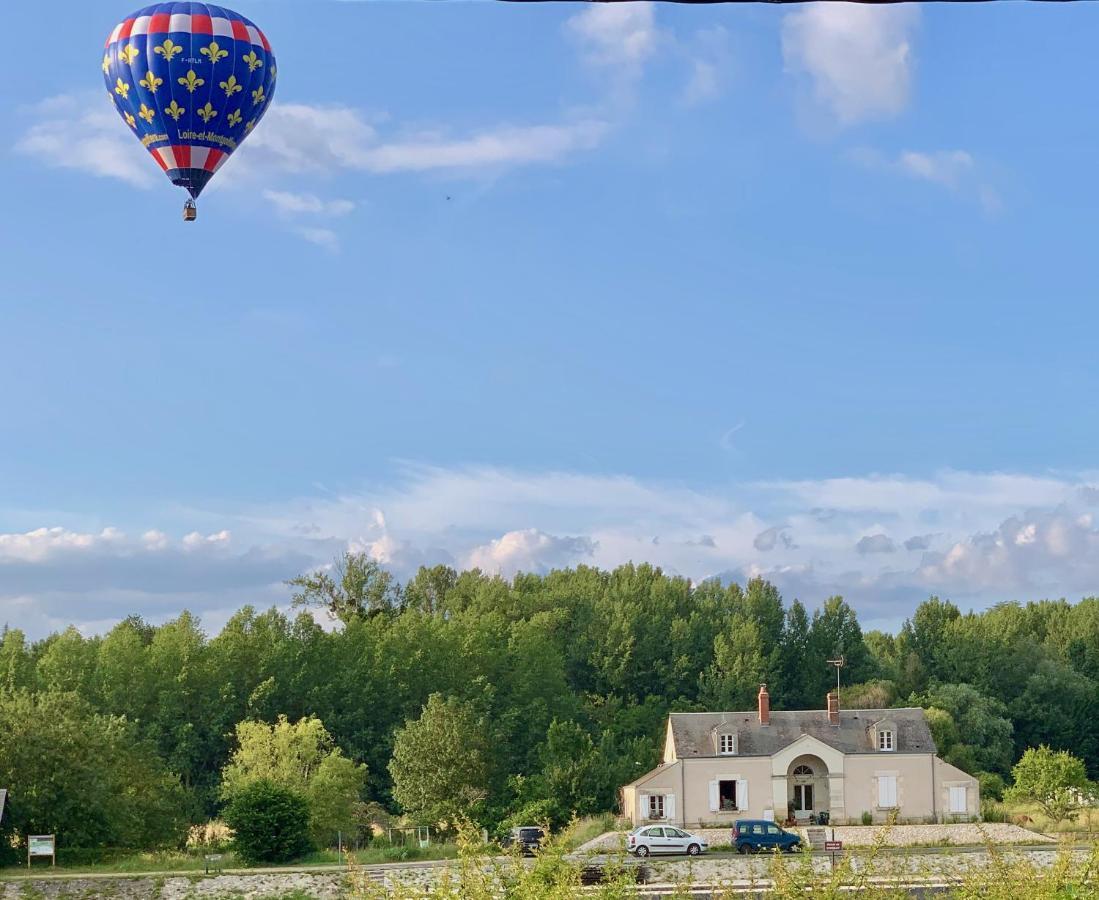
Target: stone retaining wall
214	887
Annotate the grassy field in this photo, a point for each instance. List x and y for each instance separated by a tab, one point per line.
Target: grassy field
1087	821
1004	876
137	863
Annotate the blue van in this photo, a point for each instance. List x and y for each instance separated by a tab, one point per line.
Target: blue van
755	835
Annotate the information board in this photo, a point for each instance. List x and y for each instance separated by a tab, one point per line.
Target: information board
41	845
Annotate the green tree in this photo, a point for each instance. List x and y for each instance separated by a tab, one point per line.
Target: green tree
835	632
301	757
1054	779
271	823
732	681
1058	707
357	588
440	763
88	777
16	663
798	682
983	726
428	591
569	769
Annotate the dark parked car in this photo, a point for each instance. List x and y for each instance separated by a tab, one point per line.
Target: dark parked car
527	839
758	834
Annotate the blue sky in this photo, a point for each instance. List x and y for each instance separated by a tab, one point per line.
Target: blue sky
802	291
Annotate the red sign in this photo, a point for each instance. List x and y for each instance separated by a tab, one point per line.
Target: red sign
833	846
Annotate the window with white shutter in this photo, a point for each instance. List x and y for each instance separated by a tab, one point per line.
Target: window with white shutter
887	791
742	794
669	807
715	796
958	800
656	806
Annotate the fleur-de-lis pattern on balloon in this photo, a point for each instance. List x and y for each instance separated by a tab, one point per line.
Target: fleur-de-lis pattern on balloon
168	50
173	77
150	82
214	53
192	82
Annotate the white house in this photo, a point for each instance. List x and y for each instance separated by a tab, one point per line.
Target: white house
719	767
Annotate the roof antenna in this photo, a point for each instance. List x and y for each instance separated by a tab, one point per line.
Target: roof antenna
839	663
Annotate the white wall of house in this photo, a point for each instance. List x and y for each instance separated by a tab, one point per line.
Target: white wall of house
722	788
959	793
914	786
664	783
745	780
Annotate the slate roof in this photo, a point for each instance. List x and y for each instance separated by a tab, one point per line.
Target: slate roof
693	732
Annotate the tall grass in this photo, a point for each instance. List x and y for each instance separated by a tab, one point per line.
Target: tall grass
552	875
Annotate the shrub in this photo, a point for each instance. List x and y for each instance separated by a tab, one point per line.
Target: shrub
867	817
212	835
1054	779
271	823
992	785
991	811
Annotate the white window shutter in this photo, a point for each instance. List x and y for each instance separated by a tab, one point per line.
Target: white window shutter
715	799
958	800
669	807
742	794
642	806
887	791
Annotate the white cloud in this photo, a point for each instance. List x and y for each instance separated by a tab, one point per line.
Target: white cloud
766	541
952	169
529	550
875	543
703	85
919	542
325	238
83	132
857	56
947	167
707	56
977	538
297	138
619	36
955	170
291	204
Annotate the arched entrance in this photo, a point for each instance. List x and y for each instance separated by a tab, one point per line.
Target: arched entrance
807	787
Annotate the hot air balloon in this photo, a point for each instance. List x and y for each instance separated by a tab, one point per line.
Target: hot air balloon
192	81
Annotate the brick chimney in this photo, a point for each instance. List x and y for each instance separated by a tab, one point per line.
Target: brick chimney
833	708
764	706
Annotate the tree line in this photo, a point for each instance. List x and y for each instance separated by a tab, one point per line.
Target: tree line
529	699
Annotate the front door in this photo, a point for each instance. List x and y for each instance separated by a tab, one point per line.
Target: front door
803	799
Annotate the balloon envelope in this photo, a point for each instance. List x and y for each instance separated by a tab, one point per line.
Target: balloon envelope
191	80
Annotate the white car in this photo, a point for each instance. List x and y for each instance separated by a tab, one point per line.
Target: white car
664	839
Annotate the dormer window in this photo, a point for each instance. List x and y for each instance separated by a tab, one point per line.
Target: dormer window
726	744
885	739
